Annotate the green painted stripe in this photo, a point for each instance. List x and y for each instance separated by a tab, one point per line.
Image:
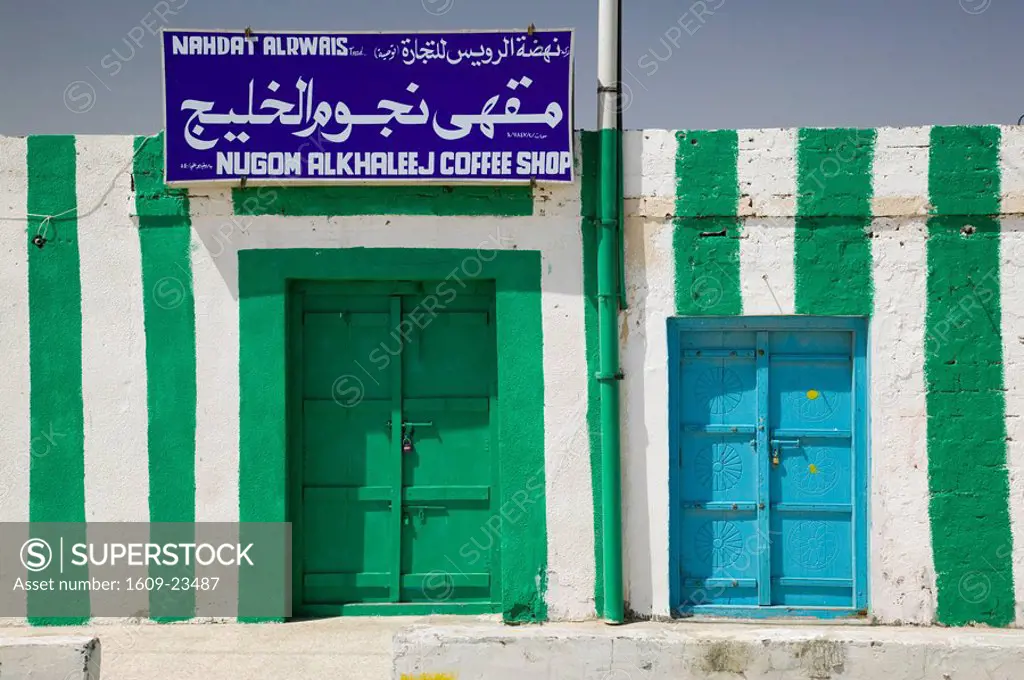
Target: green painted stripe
57	464
520	363
832	249
590	153
967	476
706	230
963	173
384	200
169	309
263	424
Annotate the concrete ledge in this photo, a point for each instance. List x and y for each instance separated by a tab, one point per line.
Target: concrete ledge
49	657
692	651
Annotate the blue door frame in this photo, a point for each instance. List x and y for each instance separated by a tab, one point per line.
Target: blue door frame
749	586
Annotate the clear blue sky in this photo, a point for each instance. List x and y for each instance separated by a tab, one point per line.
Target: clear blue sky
753	63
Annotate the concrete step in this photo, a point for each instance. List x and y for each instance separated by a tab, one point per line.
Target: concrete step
446	648
49	657
340	649
706	651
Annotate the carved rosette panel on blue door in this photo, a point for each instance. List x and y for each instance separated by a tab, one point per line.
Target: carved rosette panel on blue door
769	465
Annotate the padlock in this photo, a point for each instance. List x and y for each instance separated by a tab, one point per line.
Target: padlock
775	458
406	444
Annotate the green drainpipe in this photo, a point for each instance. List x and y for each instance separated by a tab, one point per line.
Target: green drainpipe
608	261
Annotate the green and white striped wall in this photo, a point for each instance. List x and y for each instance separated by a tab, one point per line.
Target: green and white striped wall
124	395
920	230
129	393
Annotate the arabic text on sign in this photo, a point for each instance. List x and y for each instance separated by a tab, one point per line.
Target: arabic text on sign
321	117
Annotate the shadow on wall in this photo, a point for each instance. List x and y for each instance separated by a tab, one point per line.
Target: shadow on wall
638	568
239	227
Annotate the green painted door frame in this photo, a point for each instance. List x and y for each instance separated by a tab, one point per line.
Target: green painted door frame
264	280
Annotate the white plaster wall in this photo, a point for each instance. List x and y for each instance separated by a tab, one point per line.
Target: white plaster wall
114	396
650	294
15	435
900	168
767	173
113	334
1011	260
766	168
1011	257
217	395
214	286
1011	163
902	575
649	175
571	559
15	426
767	277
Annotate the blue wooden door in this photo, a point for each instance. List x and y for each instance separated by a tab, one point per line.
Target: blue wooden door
768	478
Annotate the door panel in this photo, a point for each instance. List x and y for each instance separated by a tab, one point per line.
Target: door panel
820	470
767	473
345	490
344	446
453	354
450	530
811	411
379	523
719	526
447	539
337	351
812	559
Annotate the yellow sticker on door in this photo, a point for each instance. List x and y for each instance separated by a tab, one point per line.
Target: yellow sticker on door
812	394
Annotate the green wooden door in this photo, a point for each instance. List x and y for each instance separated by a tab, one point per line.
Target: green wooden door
393	472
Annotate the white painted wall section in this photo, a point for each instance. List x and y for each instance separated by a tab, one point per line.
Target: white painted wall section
114	397
900	168
113	335
766	168
215	291
15	434
16	438
1011	165
650	293
1011	282
902	576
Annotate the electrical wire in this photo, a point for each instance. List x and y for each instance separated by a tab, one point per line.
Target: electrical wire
46	219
